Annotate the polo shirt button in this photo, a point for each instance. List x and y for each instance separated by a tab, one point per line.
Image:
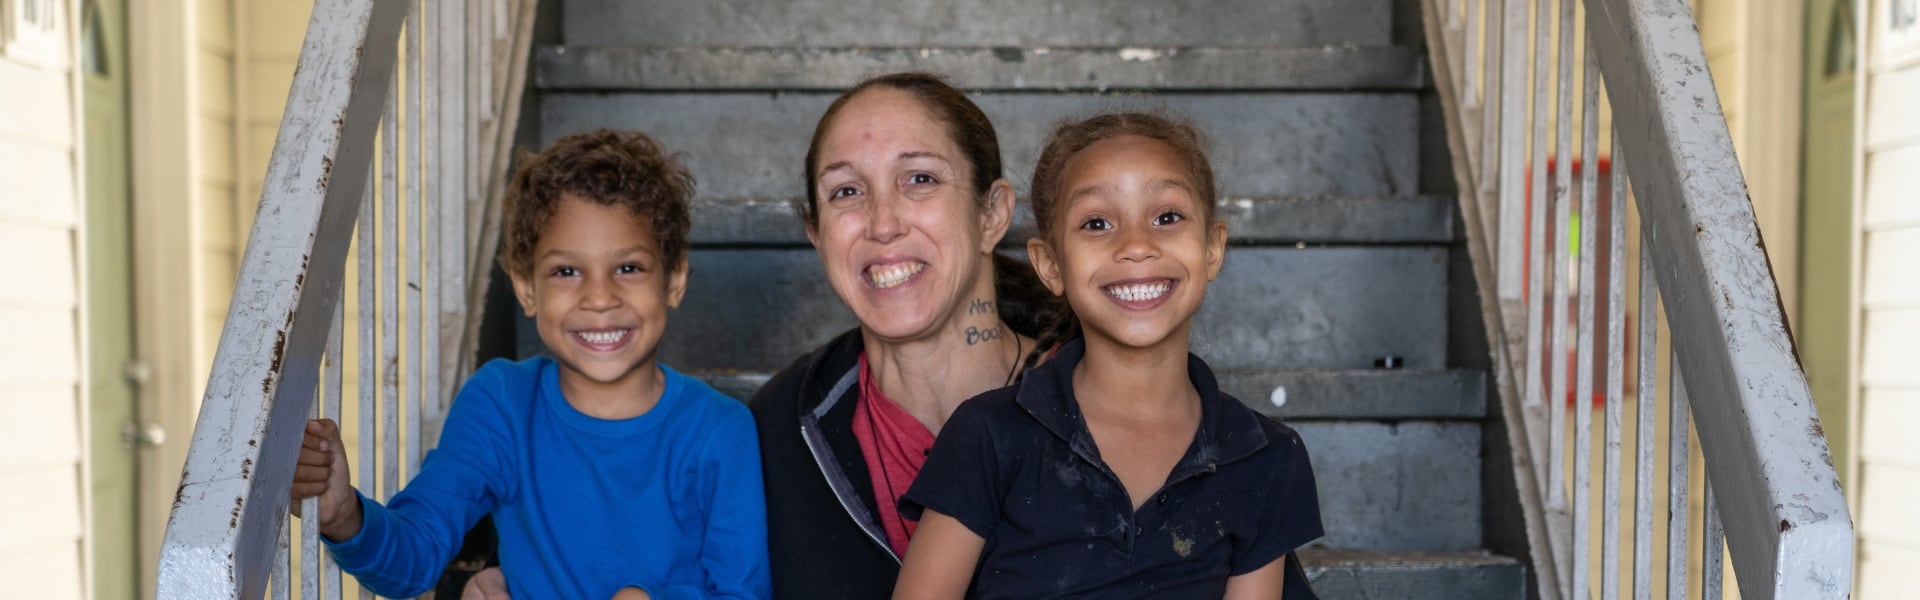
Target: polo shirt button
1136	531
1162	500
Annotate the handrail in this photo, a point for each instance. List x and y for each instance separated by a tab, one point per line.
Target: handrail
233	490
436	107
1769	477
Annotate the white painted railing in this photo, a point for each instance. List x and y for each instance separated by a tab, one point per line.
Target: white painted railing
436	108
1557	316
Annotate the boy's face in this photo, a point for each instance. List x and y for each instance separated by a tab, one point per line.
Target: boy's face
1135	249
598	292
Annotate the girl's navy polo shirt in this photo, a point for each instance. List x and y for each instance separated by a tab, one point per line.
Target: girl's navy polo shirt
1018	467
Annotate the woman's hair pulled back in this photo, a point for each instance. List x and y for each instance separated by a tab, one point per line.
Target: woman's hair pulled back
967	127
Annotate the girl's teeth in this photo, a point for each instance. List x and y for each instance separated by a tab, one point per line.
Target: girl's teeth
602	338
884	277
1139	292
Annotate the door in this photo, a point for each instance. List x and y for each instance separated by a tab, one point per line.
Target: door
112	372
1826	216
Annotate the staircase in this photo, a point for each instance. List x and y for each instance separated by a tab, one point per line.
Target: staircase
1333	172
1398	288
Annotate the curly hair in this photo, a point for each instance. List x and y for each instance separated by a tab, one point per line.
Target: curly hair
1072	136
612	168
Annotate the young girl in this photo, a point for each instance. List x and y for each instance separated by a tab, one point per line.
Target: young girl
1118	468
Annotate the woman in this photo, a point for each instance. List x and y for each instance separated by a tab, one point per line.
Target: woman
905	203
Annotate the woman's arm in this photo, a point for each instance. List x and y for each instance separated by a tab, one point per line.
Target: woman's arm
1264	583
940	560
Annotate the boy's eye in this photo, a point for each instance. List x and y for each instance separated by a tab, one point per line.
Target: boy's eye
1169	218
1096	224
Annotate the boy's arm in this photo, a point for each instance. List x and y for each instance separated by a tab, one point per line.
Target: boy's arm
400	550
941	559
733	553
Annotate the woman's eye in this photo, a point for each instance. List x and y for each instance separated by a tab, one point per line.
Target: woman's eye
1096	224
922	179
1169	218
842	192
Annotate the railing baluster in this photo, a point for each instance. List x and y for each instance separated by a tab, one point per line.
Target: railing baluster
416	122
430	105
389	307
1470	97
1538	252
1557	305
1712	549
330	399
1645	393
1513	249
363	388
1589	282
1616	343
1676	481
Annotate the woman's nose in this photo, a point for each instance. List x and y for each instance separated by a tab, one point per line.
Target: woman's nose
883	218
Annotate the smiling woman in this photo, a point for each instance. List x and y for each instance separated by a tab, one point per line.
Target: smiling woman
905	203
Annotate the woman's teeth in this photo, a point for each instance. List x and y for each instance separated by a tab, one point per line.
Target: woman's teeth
1139	292
604	337
886	276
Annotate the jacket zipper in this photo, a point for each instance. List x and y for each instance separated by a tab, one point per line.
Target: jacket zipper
837	485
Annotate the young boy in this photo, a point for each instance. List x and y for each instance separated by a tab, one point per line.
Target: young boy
607	473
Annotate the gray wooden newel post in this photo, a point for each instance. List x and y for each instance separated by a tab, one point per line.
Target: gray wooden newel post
1773	479
233	493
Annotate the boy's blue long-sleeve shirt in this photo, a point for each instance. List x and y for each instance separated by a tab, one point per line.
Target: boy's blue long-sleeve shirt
669	501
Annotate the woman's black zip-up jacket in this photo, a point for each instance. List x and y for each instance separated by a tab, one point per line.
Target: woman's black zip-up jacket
820	504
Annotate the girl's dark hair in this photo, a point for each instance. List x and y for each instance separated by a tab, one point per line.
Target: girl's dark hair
613	168
1068	139
1022	299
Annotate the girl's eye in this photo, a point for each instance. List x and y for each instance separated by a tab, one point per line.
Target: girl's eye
630	268
565	272
1096	224
1169	218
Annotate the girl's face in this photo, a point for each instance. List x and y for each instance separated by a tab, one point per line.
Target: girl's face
901	233
1134	251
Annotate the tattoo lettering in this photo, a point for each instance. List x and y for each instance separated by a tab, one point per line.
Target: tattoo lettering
980	306
976	335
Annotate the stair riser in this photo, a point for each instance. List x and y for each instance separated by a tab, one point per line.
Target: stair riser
1271	308
1407	485
1307	144
976	23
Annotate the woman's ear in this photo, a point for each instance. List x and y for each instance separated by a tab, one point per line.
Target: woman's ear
1044	265
1216	248
998	216
522	289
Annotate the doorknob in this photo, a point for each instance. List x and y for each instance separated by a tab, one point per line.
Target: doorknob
149	435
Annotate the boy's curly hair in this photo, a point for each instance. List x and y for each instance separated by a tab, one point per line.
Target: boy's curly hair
612	168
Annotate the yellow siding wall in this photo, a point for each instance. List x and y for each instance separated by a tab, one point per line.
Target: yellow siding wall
1889	460
40	413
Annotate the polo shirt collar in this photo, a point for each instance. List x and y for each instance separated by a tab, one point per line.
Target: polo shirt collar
1229	431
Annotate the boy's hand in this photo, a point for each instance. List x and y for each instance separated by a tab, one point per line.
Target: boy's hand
489	584
631	593
323	472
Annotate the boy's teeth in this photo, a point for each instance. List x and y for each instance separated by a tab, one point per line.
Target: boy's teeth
602	338
884	277
1139	292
